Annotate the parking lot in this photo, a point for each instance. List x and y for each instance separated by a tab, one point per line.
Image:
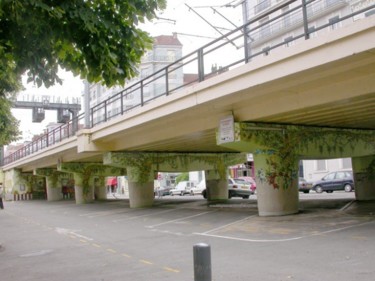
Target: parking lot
331	238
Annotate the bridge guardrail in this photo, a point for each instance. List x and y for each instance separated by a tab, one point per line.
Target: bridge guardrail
237	47
48	139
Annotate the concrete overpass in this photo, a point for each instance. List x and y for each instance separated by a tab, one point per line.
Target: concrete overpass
312	100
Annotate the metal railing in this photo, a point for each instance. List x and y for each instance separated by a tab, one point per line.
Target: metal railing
222	54
48	139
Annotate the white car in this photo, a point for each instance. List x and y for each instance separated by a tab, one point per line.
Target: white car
182	188
199	188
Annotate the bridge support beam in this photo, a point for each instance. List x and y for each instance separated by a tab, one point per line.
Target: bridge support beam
141	186
277	149
277	196
216	185
87	179
364	177
142	167
53	183
20	185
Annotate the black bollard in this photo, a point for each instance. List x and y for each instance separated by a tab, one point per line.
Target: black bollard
202	262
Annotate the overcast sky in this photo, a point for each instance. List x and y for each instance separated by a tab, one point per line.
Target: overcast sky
192	31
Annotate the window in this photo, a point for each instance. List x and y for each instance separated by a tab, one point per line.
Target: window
330	176
312	32
288	41
370	13
262	5
171	55
286	18
334	22
265	29
321	165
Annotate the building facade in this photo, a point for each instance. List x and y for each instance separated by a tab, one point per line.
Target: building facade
285	24
166	49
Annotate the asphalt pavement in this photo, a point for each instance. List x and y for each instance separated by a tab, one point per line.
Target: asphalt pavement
332	238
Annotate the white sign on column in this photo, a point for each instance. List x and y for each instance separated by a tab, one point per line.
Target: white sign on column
226	129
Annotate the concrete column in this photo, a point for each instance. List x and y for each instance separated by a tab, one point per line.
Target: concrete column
53	190
216	187
364	177
275	200
84	191
100	188
141	187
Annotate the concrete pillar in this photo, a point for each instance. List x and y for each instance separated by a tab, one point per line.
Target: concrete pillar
276	196
364	177
216	186
84	191
100	189
141	187
53	191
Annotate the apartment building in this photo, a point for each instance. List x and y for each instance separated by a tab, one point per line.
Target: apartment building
166	49
285	24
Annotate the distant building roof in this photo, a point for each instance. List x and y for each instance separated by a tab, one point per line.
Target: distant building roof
171	40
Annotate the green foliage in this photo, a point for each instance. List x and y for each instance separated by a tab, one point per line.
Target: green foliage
96	39
8	124
182	177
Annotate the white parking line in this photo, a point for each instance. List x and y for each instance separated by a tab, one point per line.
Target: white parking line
180	219
229	224
142	216
282	240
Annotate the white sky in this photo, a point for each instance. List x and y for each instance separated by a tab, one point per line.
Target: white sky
180	20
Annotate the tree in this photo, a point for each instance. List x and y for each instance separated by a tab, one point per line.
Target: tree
96	39
182	177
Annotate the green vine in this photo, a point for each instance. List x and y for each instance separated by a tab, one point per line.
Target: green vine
142	164
287	143
370	171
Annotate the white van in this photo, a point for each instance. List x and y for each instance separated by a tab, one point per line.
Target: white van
182	188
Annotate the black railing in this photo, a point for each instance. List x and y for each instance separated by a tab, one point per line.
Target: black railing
48	139
222	54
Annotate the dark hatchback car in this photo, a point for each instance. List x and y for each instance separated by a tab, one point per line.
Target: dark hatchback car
341	180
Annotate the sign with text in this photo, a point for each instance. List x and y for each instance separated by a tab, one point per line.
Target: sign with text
226	129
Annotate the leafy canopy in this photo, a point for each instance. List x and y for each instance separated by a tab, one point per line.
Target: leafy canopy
96	39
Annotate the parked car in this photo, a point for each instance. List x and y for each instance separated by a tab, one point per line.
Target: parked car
162	191
236	188
253	184
239	188
198	189
182	188
340	180
303	185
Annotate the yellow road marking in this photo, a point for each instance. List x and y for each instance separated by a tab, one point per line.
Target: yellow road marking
96	245
145	262
112	251
83	241
170	269
125	255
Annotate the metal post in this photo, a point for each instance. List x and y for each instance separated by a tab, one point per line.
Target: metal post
202	262
305	20
200	65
